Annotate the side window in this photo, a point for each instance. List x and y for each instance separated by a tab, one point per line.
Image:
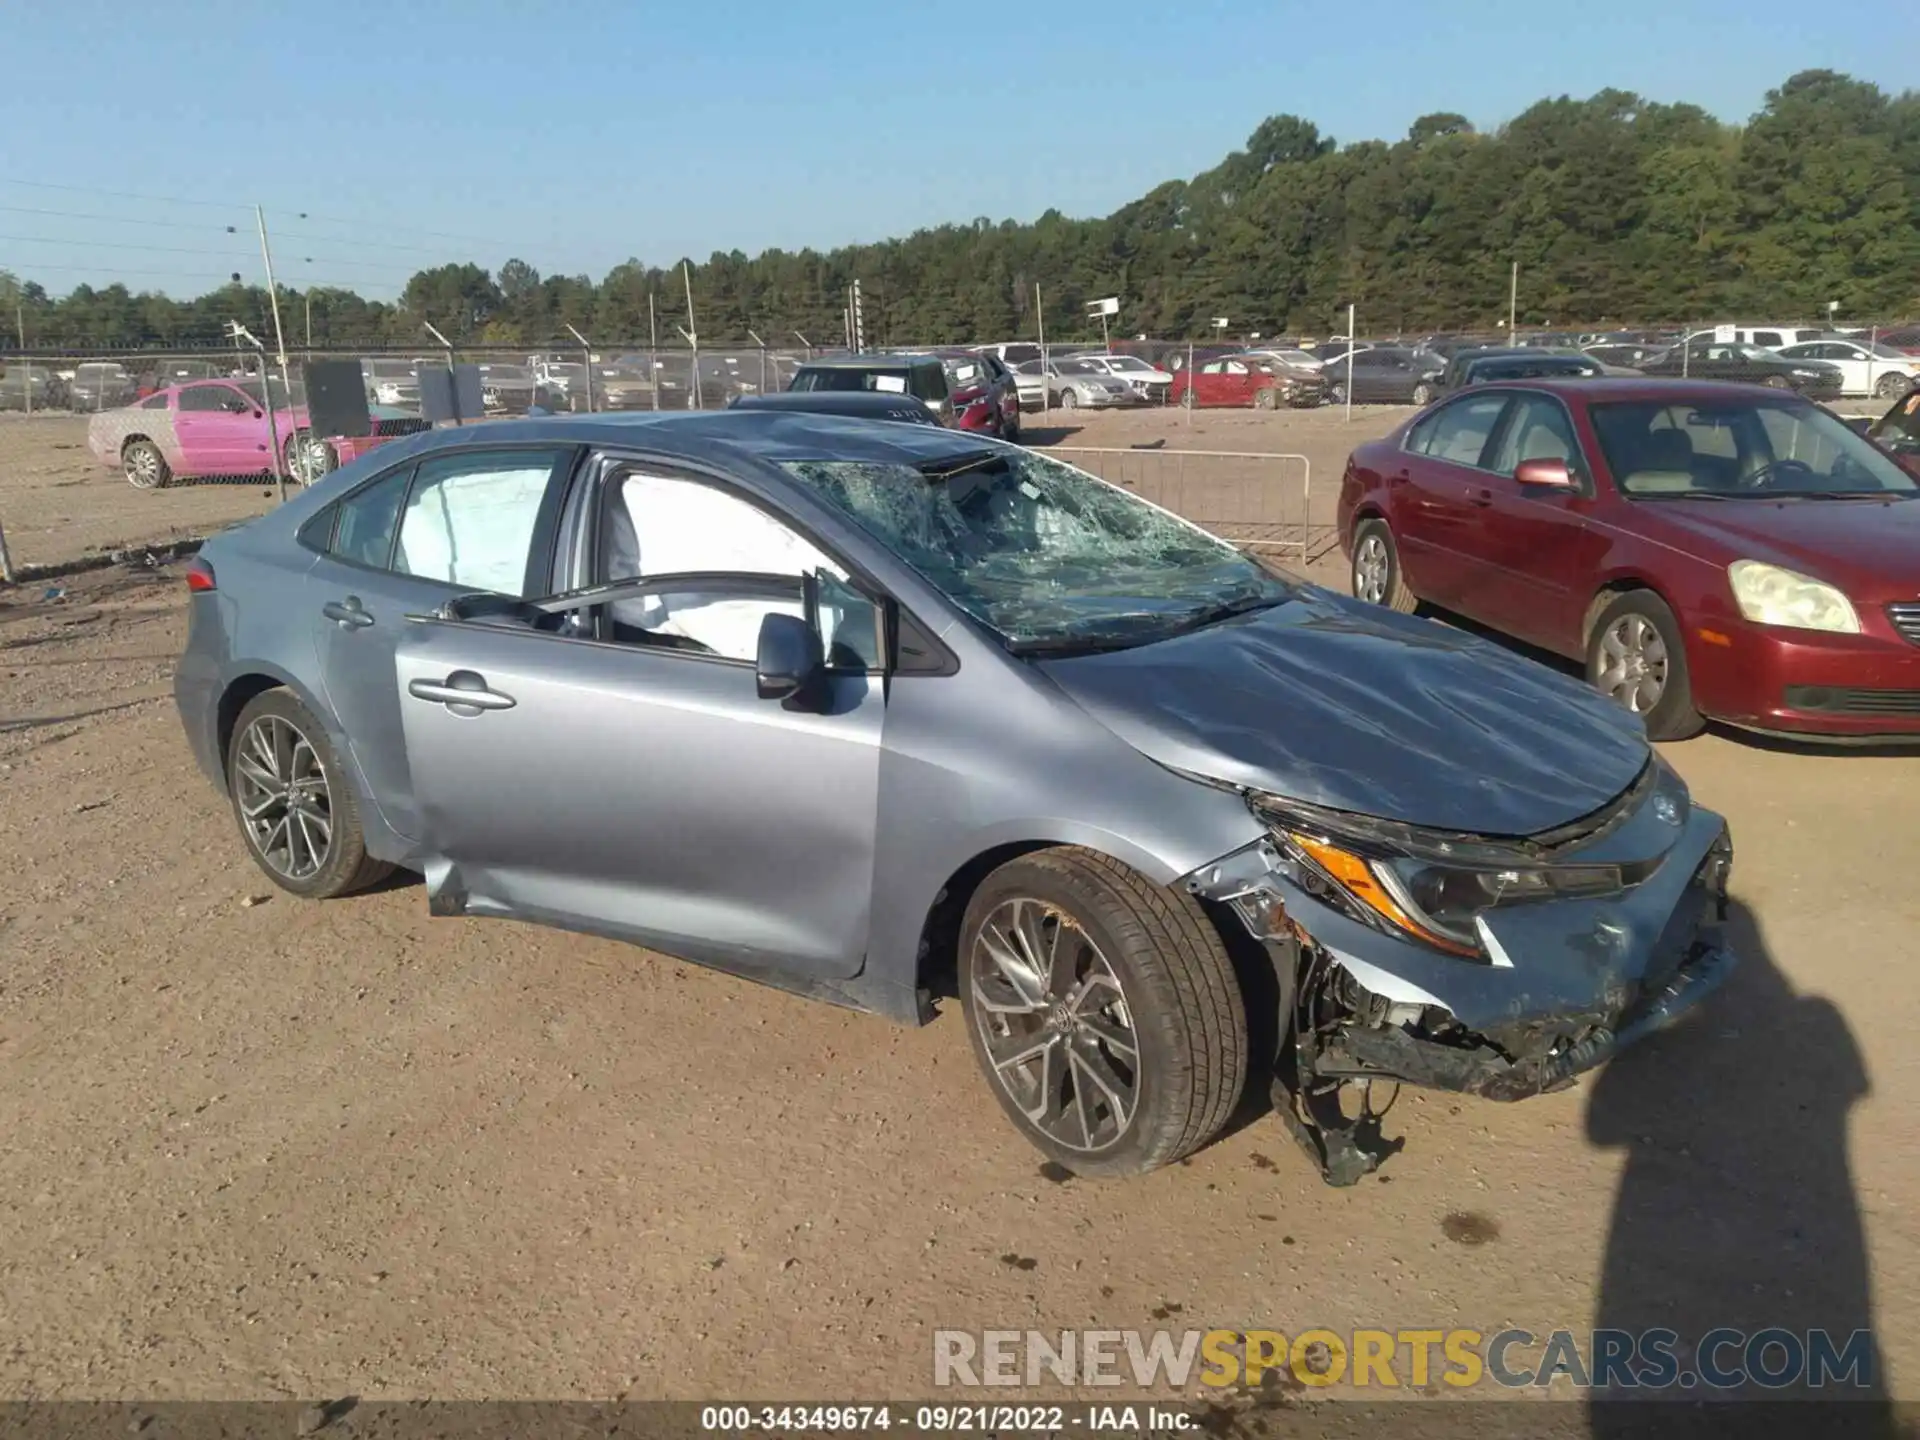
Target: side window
154	402
929	383
203	399
470	518
1537	428
1234	367
657	525
1459	433
1213	367
1771	339
363	533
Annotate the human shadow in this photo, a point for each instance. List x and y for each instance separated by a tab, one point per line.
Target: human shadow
1736	1210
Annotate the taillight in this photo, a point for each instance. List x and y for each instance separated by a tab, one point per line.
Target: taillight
199	576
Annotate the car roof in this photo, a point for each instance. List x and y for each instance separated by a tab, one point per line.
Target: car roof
875	403
865	362
1598	389
763	432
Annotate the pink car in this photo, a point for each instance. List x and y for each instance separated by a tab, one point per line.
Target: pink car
220	427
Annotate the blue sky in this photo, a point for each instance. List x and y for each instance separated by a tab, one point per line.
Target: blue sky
573	135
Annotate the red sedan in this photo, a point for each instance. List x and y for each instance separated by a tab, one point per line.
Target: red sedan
1712	551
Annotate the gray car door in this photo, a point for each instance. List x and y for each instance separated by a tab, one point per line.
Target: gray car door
371	577
632	782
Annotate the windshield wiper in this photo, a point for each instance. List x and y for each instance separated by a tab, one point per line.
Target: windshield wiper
1846	495
1080	644
1223	610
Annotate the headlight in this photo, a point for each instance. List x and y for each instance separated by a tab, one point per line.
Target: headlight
1769	595
1807	374
1437	903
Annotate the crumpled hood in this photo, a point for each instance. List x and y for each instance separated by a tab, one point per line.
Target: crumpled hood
1356	707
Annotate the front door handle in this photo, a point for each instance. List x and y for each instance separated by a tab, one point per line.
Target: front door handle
1480	497
463	692
348	614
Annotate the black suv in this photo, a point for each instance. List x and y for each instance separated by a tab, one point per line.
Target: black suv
924	377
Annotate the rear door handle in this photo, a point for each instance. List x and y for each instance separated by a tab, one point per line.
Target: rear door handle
348	614
462	692
1480	497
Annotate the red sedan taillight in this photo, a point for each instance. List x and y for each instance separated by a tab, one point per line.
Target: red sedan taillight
199	576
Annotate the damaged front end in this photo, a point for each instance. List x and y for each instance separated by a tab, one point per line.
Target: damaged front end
1489	965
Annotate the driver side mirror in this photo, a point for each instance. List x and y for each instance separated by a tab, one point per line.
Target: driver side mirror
1550	474
788	660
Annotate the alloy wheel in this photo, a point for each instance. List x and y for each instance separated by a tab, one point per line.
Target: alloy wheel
310	461
1056	1025
142	466
1370	568
286	804
1633	663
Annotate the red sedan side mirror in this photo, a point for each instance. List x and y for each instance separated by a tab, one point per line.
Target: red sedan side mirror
1553	474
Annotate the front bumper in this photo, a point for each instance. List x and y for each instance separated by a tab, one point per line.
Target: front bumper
1806	683
1571	983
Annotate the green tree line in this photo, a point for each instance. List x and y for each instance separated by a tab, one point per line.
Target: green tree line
1617	209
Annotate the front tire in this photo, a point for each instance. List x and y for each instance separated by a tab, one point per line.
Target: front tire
1268	399
1777	382
1066	400
1104	1012
1375	575
1423	393
144	466
1635	657
294	803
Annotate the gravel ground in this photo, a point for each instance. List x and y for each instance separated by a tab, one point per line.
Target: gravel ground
251	1147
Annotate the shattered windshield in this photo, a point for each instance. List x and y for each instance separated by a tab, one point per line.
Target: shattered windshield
1044	554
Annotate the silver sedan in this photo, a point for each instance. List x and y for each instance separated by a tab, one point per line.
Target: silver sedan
887	714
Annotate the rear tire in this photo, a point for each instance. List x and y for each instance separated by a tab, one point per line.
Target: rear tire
1124	1047
294	803
1636	658
144	466
1375	575
1892	387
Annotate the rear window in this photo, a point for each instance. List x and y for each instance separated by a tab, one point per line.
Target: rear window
886	379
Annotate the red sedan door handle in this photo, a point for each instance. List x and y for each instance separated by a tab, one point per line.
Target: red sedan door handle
1480	497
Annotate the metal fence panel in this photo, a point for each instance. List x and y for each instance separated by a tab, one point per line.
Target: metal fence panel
1258	499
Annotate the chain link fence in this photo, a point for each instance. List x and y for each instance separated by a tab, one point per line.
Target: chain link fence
71	422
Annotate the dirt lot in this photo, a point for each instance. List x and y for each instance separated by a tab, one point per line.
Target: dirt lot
251	1147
